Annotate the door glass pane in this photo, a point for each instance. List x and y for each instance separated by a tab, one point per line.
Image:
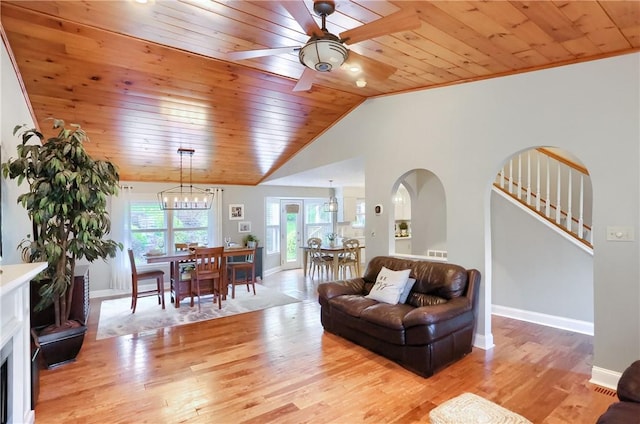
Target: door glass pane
292	235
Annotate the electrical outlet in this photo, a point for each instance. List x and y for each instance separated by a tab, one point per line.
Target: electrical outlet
620	234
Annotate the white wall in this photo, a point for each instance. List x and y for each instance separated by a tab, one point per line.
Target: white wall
536	269
14	111
464	133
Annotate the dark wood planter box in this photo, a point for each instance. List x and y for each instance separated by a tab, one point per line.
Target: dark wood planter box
61	347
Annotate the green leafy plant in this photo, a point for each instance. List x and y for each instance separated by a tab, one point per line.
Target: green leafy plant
402	225
67	204
250	237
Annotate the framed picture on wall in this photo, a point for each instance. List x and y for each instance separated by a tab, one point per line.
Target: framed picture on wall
244	227
236	211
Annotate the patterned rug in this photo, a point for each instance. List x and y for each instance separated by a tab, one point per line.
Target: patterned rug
116	318
473	409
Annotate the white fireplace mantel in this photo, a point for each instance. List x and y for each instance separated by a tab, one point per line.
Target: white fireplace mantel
14	330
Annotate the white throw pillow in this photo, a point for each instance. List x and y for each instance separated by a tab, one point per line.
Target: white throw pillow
406	290
389	285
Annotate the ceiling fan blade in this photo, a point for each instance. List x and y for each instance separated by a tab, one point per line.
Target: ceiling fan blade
371	68
306	80
301	14
250	54
403	20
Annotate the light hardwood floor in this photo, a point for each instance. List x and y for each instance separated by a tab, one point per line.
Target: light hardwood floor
278	365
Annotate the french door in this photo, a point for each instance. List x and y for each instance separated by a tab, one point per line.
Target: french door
291	233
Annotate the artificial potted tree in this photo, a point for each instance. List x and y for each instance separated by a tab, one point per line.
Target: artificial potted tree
67	205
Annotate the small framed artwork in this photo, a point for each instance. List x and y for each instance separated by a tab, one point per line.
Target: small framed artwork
244	227
236	211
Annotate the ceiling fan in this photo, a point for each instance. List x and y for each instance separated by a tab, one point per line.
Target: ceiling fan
325	51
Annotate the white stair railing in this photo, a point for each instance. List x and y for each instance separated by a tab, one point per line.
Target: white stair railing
569	180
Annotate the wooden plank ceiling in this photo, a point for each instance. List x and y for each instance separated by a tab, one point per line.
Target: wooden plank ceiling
146	79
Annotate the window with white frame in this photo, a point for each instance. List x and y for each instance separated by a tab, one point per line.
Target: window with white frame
272	226
360	214
152	228
317	222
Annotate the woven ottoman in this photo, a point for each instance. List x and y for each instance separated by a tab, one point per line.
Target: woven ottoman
473	409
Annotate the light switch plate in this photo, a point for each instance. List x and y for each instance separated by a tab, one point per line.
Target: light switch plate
620	234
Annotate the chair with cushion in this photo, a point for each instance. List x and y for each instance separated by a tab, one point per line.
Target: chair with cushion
319	261
242	272
350	259
208	274
314	240
136	277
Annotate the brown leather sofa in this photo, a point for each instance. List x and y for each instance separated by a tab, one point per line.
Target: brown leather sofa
627	411
431	330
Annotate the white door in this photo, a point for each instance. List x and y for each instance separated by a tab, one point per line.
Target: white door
291	233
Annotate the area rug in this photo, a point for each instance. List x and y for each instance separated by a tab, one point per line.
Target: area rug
473	409
116	318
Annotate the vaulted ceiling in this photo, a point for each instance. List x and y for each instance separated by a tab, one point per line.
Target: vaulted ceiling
146	79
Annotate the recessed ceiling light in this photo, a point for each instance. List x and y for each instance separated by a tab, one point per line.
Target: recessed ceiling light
354	68
361	83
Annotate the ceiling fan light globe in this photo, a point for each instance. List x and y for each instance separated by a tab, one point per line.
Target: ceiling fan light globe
322	54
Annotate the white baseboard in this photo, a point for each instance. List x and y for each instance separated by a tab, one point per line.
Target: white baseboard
483	342
605	378
577	326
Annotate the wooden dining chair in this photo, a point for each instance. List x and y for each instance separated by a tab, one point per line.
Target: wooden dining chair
136	277
315	241
242	272
349	259
208	273
319	261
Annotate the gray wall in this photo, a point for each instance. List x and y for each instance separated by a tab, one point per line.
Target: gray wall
464	133
537	269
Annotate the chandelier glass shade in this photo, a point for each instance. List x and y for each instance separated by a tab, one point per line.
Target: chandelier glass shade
323	53
332	204
185	197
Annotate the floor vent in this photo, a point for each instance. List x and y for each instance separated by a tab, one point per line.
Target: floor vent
605	391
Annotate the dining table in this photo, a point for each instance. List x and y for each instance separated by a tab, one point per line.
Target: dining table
181	256
334	252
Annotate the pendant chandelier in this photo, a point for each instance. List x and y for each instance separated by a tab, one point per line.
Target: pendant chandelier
185	197
332	204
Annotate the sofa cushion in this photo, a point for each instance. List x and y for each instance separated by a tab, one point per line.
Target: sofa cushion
351	304
420	299
389	285
629	383
407	289
441	279
386	315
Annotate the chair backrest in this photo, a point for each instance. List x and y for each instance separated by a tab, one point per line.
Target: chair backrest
132	259
314	249
208	260
351	247
314	240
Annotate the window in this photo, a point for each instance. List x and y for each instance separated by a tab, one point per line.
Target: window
153	228
317	222
360	214
272	227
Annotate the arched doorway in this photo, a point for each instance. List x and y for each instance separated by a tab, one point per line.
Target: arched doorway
541	254
419	200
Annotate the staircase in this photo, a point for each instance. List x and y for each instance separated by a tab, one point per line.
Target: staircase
554	188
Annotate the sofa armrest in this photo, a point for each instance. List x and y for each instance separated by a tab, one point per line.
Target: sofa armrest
338	288
432	314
